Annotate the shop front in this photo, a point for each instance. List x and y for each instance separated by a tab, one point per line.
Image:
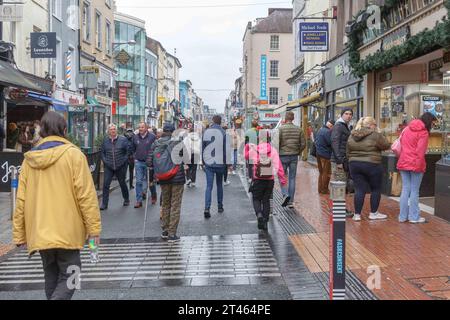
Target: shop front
269	118
405	65
343	89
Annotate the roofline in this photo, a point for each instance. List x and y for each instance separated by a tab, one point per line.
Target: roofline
176	60
122	17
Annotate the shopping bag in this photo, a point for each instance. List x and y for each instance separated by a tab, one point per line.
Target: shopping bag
396	185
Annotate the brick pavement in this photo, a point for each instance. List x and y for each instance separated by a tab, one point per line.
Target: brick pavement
414	259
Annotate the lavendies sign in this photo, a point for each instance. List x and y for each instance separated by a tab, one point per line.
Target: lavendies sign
43	45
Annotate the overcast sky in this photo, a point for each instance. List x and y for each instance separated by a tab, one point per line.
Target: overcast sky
208	40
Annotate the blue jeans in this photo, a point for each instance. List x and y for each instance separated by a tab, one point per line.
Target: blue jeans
235	159
210	173
290	168
410	192
141	180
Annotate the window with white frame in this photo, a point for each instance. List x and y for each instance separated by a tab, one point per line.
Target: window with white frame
57	8
72	15
274	42
87	21
108	43
98	29
273	95
274	68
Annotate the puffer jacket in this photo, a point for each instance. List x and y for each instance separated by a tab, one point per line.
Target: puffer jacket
323	143
57	205
339	137
292	140
167	139
115	153
265	149
414	142
366	145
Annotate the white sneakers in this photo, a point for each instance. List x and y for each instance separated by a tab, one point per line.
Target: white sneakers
226	183
233	173
377	216
372	216
421	220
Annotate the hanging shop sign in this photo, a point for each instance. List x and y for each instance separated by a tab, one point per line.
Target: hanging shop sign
103	100
263	95
123	57
396	38
43	45
122	96
314	36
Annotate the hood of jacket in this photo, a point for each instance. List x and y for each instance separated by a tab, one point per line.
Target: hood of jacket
362	133
48	156
417	125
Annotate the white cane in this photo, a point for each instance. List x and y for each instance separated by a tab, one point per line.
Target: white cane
146	202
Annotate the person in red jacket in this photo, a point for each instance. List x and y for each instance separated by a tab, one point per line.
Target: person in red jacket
412	165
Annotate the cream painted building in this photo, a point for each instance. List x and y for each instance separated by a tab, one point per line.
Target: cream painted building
267	63
35	19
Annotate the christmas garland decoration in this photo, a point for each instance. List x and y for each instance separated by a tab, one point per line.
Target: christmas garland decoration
418	45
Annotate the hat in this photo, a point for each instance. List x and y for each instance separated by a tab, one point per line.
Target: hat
345	110
168	127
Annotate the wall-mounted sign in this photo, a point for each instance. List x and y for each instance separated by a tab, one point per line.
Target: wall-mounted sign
43	45
8	160
434	72
314	36
124	84
263	94
396	38
313	86
11	13
122	96
71	98
94	69
103	100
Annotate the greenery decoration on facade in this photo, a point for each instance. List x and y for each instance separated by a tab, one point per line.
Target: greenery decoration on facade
416	46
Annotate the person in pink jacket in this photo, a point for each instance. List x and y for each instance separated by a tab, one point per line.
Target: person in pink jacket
266	164
412	166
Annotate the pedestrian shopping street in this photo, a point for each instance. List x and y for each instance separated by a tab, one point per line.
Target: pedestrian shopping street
227	257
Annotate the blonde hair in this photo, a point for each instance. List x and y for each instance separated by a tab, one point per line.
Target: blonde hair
365	122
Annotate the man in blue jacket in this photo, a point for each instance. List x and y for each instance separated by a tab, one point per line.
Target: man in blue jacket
324	150
115	151
141	146
215	162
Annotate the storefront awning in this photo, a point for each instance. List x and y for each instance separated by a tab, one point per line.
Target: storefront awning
13	77
92	101
58	105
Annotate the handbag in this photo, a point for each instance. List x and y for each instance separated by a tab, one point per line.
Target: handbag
397	146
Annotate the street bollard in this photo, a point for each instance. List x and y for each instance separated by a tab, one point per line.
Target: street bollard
337	241
14	186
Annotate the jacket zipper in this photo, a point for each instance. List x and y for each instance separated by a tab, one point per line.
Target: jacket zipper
114	152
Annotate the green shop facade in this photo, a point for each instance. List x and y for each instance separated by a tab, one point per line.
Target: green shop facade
405	63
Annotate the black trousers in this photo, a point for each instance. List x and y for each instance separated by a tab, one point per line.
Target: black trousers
192	172
367	177
121	174
262	191
59	265
131	171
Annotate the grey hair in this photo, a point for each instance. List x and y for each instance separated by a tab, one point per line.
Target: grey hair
112	125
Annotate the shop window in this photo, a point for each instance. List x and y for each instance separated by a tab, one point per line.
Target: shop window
87	21
273	95
399	104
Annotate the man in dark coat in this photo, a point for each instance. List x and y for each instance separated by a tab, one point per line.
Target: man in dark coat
339	138
323	151
115	152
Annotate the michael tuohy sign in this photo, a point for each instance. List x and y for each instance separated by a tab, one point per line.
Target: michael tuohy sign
43	45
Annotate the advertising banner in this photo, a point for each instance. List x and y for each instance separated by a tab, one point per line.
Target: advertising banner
263	95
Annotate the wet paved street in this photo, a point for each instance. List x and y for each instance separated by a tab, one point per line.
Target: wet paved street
225	257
